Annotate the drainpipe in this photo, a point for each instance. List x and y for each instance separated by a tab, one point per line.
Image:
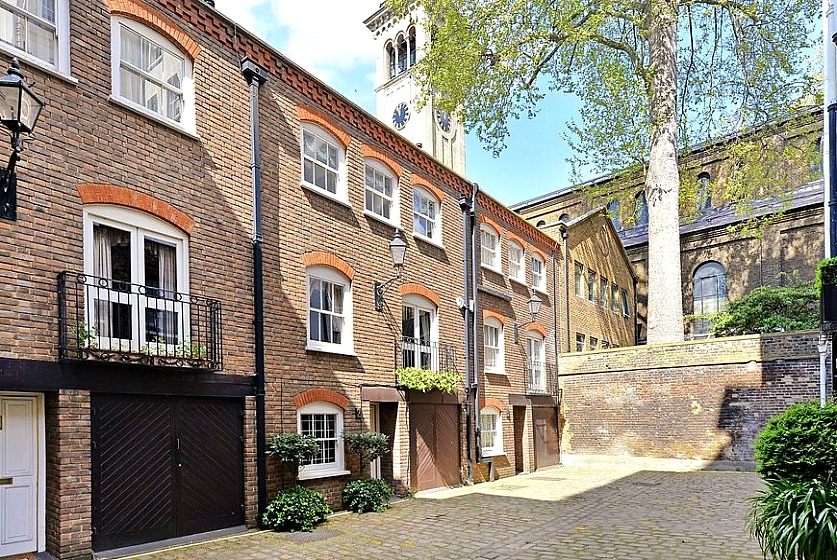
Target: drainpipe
475	244
564	239
465	206
822	347
636	313
555	307
256	76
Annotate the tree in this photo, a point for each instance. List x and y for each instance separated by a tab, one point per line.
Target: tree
742	63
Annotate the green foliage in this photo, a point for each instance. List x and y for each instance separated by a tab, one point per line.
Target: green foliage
293	449
83	336
296	509
826	273
796	519
368	446
800	444
366	494
769	309
425	380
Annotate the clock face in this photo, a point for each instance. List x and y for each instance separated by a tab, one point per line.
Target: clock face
400	115
443	118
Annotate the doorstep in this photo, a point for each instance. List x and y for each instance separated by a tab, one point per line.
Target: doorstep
157	546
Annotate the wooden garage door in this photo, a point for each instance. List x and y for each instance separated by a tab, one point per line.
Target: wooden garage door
547	451
164	467
434	446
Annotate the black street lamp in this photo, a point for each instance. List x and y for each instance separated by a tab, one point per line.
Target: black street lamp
19	112
534	305
397	250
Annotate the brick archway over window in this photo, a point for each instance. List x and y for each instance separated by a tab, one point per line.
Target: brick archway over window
539	253
324	258
310	114
538	328
491	401
320	395
157	21
419	181
413	288
368	151
491	314
122	196
483	219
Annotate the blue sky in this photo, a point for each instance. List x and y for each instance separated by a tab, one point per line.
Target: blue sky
328	38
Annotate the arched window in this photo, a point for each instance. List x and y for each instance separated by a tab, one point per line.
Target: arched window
710	293
37	31
402	54
427	215
494	345
391	59
536	367
329	311
613	209
704	196
420	333
324	422
516	268
491	431
323	160
563	218
412	46
381	192
541	223
489	247
641	212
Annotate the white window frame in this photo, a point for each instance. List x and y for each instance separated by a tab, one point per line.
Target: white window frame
491	324
626	308
538	278
604	292
490	256
580	279
535	356
517	260
394	210
436	235
140	226
322	470
420	303
187	121
61	66
328	274
497	429
580	342
341	193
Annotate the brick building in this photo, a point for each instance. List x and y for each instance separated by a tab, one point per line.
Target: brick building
720	261
193	269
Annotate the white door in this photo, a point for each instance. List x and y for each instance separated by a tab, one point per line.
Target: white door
18	475
375	426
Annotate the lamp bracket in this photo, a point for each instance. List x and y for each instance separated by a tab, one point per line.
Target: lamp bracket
380	288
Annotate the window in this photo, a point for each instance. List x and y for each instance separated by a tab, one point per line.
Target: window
704	196
329	311
538	273
604	291
324	422
391	59
816	158
427	216
491	431
419	333
489	247
151	75
322	161
594	343
614	298
37	30
579	280
579	342
563	218
641	212
626	310
536	375
613	209
605	345
381	192
516	270
592	286
541	224
492	331
710	293
139	265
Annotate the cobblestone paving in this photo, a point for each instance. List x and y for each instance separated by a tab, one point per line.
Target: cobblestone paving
572	513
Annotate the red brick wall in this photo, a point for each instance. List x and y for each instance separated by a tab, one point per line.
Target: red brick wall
702	400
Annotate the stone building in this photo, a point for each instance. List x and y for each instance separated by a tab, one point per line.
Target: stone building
200	231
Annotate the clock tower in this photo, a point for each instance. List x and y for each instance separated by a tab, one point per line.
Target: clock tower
400	43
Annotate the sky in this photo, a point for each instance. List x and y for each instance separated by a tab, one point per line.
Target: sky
328	38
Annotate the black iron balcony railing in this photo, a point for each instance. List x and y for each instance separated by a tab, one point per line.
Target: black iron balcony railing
541	379
415	352
114	321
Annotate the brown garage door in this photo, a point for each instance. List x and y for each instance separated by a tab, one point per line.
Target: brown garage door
434	446
164	467
547	451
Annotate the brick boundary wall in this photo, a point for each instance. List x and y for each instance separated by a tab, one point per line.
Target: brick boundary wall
699	400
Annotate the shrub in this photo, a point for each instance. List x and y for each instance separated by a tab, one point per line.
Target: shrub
366	494
770	309
799	444
425	380
367	445
826	273
296	509
796	520
293	449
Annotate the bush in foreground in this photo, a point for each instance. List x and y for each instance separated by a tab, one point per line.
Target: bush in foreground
366	494
296	509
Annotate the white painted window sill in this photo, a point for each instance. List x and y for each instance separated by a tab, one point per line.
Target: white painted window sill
131	106
321	474
325	194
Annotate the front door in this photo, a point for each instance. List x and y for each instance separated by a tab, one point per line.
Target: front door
434	445
547	450
18	475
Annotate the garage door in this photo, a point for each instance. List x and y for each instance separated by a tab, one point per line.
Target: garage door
434	446
164	467
547	451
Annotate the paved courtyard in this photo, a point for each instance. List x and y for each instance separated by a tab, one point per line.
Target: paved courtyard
562	513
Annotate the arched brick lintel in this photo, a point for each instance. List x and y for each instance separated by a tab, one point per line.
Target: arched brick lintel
368	151
491	401
491	314
122	196
319	118
155	20
324	258
320	395
539	253
483	219
419	181
538	328
413	288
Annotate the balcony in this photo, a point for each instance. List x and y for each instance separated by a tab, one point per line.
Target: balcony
541	379
414	352
113	321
